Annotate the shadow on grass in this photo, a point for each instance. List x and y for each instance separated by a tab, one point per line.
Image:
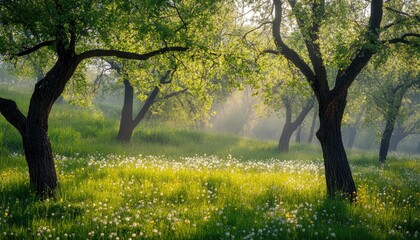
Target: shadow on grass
24	207
335	218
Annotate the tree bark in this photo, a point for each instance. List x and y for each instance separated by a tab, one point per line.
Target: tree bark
312	129
42	173
337	169
286	134
290	127
386	137
126	123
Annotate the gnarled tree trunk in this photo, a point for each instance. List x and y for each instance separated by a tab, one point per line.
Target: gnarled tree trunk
337	169
34	127
38	153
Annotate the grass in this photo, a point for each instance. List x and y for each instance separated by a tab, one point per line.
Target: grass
181	184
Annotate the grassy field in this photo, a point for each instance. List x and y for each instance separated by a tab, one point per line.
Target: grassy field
180	184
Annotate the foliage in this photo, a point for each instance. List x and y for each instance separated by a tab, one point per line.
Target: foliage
393	92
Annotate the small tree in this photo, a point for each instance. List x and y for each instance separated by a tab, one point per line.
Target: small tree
393	93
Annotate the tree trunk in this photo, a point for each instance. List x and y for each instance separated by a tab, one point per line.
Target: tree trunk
37	146
42	173
337	169
126	124
353	130
312	129
286	134
289	126
386	137
352	136
298	133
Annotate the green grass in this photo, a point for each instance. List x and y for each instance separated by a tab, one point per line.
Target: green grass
181	184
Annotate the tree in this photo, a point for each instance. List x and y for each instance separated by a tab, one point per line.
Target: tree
339	39
198	75
337	35
285	92
393	93
287	96
74	31
127	123
393	111
331	102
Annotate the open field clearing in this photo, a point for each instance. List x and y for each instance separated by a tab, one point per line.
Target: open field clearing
207	197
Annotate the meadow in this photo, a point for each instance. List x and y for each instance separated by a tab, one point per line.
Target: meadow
173	183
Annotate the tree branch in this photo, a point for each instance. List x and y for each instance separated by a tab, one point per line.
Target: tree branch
35	48
184	24
128	55
255	29
403	40
306	109
401	12
347	76
287	52
165	79
147	104
172	94
10	111
311	39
